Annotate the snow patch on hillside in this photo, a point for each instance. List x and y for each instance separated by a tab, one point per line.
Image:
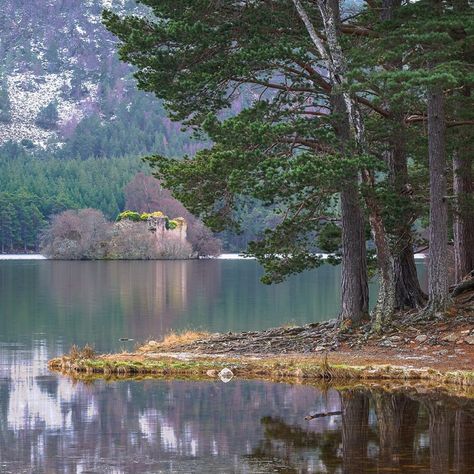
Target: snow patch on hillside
29	93
72	42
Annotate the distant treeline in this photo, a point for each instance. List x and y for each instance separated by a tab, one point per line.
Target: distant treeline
33	188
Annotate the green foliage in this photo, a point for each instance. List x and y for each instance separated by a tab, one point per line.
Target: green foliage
48	117
5	105
171	224
34	189
131	216
137	217
330	237
20	219
146	215
129	128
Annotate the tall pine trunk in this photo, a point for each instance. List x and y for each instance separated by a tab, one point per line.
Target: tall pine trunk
337	65
463	184
385	305
438	296
463	222
408	293
355	288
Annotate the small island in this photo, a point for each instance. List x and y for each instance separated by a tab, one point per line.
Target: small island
87	235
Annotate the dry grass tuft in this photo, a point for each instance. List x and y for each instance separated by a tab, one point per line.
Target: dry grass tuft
185	337
87	352
175	339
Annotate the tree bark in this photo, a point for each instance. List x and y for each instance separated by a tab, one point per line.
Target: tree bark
355	288
408	293
463	222
438	296
385	305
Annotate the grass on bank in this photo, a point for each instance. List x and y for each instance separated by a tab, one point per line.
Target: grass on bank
285	367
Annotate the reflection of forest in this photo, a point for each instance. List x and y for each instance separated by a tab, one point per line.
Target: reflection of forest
239	427
380	431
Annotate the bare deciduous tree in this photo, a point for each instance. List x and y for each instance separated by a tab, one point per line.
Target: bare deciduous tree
77	235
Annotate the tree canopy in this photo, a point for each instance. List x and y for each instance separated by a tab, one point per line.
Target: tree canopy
338	100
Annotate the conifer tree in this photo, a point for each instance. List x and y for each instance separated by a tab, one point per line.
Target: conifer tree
434	39
5	105
48	117
331	100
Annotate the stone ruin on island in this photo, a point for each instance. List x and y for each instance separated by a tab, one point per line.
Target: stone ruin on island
162	230
166	231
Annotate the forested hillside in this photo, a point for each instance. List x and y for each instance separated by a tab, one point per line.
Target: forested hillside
33	189
73	125
63	88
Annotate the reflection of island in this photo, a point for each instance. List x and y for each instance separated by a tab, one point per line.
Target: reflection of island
140	298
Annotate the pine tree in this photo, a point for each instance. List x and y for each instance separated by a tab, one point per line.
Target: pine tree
5	105
433	38
281	151
8	222
48	117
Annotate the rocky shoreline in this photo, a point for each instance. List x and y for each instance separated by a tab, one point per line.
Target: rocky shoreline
440	350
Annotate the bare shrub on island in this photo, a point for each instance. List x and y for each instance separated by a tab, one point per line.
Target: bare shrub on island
203	241
174	249
77	235
87	235
132	241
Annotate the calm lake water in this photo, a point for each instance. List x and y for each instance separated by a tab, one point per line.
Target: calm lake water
49	424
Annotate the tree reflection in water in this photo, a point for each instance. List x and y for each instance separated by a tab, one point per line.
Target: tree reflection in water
379	431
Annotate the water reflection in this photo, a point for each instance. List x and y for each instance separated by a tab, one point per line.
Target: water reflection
100	302
50	424
379	431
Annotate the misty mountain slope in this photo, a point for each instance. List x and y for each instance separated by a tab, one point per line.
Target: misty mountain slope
63	88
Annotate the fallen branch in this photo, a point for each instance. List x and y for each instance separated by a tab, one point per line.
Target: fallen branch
322	415
464	286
